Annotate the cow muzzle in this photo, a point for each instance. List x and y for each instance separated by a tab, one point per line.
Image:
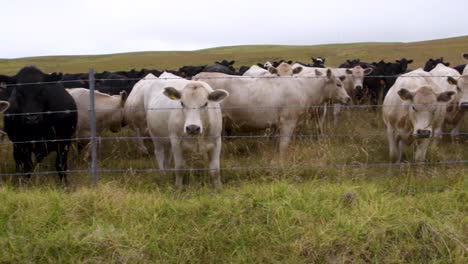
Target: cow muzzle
464	106
193	130
423	133
33	119
359	87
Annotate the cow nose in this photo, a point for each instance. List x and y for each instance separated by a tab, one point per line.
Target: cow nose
464	106
423	133
359	87
33	119
347	101
193	129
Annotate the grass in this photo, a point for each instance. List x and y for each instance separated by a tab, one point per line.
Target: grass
307	211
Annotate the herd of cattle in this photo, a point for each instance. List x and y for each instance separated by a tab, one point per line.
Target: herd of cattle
188	109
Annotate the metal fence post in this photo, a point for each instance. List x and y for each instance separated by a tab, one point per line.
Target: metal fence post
92	120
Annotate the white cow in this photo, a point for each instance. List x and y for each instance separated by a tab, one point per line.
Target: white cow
450	80
414	110
109	113
274	102
3	107
134	110
185	115
352	83
283	69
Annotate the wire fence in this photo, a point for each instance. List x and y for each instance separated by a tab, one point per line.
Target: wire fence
95	138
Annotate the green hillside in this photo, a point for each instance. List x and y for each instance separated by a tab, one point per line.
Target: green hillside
450	49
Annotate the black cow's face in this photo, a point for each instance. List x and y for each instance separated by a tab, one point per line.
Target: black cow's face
31	101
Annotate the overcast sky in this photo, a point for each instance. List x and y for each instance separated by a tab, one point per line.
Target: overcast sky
76	27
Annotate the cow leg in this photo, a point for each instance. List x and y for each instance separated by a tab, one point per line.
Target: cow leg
139	141
286	132
393	146
159	153
336	114
401	149
455	133
177	152
61	162
215	153
22	155
421	149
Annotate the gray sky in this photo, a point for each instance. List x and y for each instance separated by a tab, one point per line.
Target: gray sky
76	27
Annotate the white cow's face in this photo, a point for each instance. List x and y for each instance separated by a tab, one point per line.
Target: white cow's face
356	76
462	90
285	69
195	100
425	108
334	88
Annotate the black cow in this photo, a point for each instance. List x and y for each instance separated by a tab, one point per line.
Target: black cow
350	63
460	68
75	80
244	68
222	67
27	121
144	72
190	71
112	83
318	62
431	63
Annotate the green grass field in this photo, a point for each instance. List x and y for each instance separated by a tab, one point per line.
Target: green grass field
335	54
303	209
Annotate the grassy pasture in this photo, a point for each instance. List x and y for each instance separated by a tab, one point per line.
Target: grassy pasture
299	210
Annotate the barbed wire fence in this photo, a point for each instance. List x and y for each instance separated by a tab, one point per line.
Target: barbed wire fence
94	138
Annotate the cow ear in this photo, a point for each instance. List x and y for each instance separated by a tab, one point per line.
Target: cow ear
329	73
342	78
368	71
232	62
172	93
348	71
272	70
4	106
410	61
465	56
452	80
405	94
123	98
445	96
218	95
318	73
297	70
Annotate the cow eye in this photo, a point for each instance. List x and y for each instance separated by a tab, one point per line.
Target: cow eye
205	105
182	104
338	84
414	109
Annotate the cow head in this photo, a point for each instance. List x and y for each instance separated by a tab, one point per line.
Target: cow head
425	107
356	76
403	63
267	65
465	56
318	62
334	88
285	69
461	86
31	97
196	98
